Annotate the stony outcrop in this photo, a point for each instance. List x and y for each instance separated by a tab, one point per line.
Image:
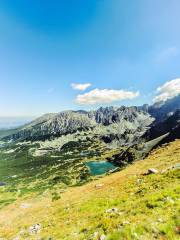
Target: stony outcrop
162	110
51	125
171	125
114	123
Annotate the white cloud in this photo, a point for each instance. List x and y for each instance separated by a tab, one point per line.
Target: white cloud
168	90
81	87
104	96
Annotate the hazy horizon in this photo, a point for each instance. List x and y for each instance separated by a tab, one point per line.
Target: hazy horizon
14	121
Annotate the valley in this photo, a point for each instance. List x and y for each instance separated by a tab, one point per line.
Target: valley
125	205
109	174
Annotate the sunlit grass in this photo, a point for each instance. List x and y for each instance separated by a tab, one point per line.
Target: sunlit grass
147	205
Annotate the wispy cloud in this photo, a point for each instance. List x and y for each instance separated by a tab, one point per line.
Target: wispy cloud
167	54
79	86
169	90
100	96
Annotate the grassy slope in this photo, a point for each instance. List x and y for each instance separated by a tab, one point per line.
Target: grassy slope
26	173
147	208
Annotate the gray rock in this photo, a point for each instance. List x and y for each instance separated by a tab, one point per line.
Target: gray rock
114	170
100	185
129	123
34	229
161	110
112	210
25	205
152	171
53	125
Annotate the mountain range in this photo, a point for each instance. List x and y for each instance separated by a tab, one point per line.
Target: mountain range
126	125
13	122
91	158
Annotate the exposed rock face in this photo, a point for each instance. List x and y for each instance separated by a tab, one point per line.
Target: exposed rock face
124	120
53	125
171	125
161	110
125	157
34	229
159	133
152	171
125	125
109	115
122	126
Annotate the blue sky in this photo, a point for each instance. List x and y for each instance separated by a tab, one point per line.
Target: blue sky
128	47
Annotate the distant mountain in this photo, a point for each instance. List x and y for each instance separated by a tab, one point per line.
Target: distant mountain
163	132
110	115
123	125
169	125
110	122
13	122
161	110
53	124
172	135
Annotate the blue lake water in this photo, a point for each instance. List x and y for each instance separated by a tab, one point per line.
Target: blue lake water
99	167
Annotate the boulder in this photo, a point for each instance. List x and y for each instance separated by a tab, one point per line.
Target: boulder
25	205
152	171
100	185
34	229
112	210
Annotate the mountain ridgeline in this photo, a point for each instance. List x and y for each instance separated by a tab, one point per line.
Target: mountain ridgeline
124	119
162	110
47	167
127	125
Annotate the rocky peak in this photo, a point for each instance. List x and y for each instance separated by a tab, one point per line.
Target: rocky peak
160	111
109	115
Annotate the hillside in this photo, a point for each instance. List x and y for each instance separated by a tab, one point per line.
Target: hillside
166	126
114	126
50	125
7	132
81	175
161	110
89	120
126	205
110	122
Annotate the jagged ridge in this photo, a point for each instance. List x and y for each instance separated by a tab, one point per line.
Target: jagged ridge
131	120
